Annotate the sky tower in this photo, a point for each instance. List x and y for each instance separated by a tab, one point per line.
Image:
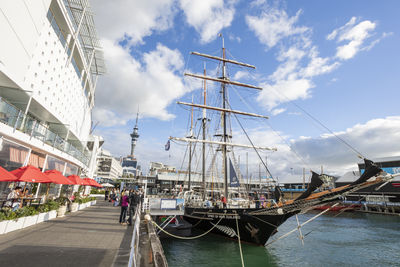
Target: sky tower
134	135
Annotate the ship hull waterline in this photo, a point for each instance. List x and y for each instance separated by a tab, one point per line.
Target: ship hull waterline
255	229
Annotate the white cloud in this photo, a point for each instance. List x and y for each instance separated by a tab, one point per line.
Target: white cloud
273	25
208	17
152	83
241	75
355	35
374	139
299	59
278	111
134	19
107	117
284	91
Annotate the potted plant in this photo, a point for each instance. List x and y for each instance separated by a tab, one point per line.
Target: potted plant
75	202
63	202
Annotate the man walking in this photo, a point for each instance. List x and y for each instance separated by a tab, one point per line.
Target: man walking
134	200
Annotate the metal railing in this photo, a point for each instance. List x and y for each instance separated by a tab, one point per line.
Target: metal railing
135	239
25	123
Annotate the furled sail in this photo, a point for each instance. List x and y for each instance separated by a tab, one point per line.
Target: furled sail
278	194
233	178
370	170
315	183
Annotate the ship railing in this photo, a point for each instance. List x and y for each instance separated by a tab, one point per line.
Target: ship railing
18	120
135	239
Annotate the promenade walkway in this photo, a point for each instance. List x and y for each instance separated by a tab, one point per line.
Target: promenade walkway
90	237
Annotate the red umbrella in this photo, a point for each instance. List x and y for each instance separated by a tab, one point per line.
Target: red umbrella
86	182
57	177
97	184
6	176
31	174
92	182
75	179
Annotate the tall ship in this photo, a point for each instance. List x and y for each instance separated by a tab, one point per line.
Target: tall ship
229	209
50	60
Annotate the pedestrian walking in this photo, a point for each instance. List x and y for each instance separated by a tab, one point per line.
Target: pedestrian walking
124	207
134	200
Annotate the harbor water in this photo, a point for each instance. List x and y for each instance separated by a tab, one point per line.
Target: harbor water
350	239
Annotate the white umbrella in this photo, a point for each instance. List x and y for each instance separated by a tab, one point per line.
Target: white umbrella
107	185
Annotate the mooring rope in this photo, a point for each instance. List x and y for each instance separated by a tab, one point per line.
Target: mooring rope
240	245
184	237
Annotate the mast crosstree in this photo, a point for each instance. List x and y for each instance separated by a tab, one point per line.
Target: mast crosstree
224	80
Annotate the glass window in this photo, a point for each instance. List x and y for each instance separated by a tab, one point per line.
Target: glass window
12	155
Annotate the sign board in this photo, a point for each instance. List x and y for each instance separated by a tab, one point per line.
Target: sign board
168	204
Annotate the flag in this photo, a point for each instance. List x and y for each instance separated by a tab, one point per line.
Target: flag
167	145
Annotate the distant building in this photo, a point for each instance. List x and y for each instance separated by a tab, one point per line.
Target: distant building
388	193
130	167
108	167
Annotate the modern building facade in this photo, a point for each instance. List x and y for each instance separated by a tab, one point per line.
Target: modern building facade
108	167
50	58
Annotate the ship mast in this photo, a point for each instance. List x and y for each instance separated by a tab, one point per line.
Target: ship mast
190	148
224	80
223	92
204	138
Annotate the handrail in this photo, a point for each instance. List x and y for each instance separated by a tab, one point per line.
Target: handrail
135	239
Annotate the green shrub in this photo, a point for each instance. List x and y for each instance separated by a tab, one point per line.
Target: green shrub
26	211
7	214
62	201
53	205
43	208
95	191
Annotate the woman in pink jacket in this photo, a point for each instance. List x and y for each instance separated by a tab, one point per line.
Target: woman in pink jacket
124	207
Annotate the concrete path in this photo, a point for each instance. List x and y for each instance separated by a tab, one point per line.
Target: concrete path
91	237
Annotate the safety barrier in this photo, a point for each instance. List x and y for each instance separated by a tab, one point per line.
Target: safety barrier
135	239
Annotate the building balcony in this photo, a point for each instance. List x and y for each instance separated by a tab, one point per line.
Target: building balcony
18	120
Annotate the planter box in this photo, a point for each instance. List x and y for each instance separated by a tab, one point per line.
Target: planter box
15	225
52	214
61	211
3	226
93	202
42	217
74	207
30	220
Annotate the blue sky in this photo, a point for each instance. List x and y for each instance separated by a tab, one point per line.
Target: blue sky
338	60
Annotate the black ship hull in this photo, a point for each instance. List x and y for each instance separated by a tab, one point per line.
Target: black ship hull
255	229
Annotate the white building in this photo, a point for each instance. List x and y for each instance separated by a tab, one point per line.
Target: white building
108	167
50	58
